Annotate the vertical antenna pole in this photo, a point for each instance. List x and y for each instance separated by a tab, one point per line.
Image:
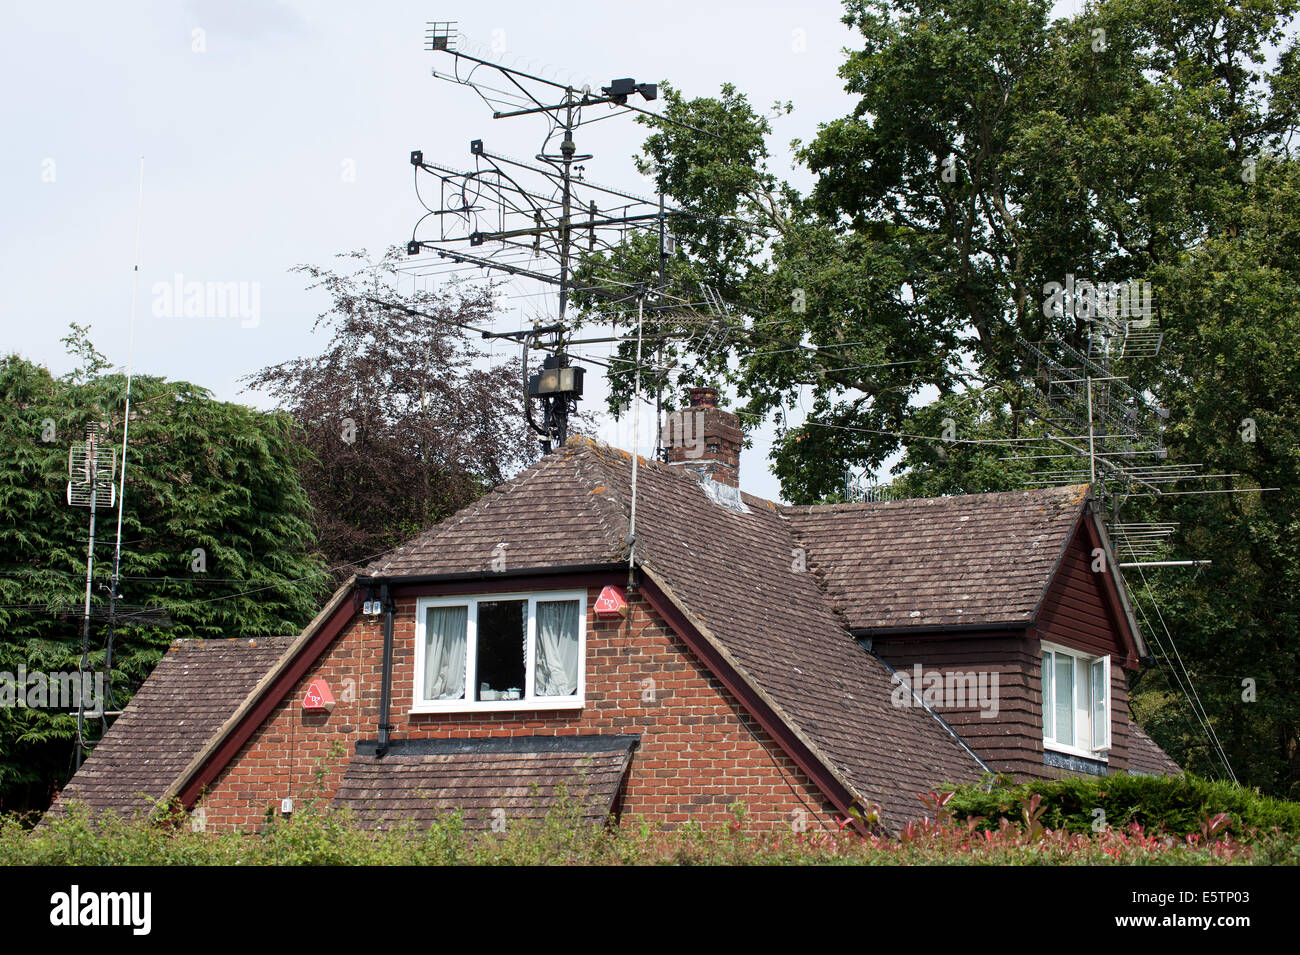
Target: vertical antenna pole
1092	457
567	150
659	384
92	470
126	430
636	437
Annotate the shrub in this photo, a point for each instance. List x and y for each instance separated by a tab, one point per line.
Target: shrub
1173	804
319	835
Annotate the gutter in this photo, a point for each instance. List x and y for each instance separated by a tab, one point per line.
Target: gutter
1010	627
386	684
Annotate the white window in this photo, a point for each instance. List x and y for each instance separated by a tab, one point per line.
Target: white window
500	652
1076	702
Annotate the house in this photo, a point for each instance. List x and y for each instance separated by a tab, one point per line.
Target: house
642	639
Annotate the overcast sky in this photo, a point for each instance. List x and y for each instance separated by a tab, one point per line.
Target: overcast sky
278	133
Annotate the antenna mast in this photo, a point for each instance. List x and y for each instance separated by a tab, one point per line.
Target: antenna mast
525	218
113	594
91	464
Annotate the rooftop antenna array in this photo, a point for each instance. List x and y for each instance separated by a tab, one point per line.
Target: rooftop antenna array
1111	434
92	464
532	218
1105	432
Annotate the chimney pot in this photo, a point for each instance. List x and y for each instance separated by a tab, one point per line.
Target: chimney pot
703	397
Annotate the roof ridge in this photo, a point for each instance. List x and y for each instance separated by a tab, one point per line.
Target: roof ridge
1078	492
473	509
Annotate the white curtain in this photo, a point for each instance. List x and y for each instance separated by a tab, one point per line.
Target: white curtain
1064	698
444	653
557	648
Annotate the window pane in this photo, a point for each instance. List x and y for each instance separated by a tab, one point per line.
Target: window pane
557	648
1099	688
1049	731
1064	698
502	637
444	653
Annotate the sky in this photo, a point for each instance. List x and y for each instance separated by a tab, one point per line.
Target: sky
275	134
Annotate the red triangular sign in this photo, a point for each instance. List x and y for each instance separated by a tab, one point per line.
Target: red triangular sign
319	699
611	602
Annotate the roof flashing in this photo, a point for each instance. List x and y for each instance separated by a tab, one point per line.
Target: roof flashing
724	495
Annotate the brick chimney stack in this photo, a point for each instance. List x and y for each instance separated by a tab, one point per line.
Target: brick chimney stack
705	438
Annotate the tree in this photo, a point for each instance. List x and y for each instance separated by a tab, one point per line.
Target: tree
993	151
216	537
405	423
1231	387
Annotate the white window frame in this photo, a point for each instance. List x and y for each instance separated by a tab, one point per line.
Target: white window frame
1084	714
529	701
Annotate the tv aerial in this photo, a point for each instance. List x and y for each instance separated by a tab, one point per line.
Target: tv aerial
92	464
1106	433
534	218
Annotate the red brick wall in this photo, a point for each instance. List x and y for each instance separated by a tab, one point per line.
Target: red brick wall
699	752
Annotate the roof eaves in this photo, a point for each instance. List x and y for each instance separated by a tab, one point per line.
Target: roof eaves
1082	504
1120	588
214	742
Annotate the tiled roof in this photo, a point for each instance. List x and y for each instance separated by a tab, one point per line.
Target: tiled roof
488	781
738	578
189	695
1145	756
974	560
734	575
553	514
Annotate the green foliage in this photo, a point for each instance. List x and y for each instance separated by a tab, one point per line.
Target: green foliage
405	426
991	150
202	475
1233	363
316	835
1171	804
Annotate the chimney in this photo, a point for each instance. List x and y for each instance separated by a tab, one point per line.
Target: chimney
705	438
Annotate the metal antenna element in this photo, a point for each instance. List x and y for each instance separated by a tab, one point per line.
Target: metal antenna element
534	219
113	594
636	432
544	221
1102	430
91	465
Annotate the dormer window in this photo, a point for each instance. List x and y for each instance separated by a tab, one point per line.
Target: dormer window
500	652
1076	702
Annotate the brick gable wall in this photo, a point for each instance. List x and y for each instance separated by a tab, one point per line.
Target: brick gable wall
699	751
